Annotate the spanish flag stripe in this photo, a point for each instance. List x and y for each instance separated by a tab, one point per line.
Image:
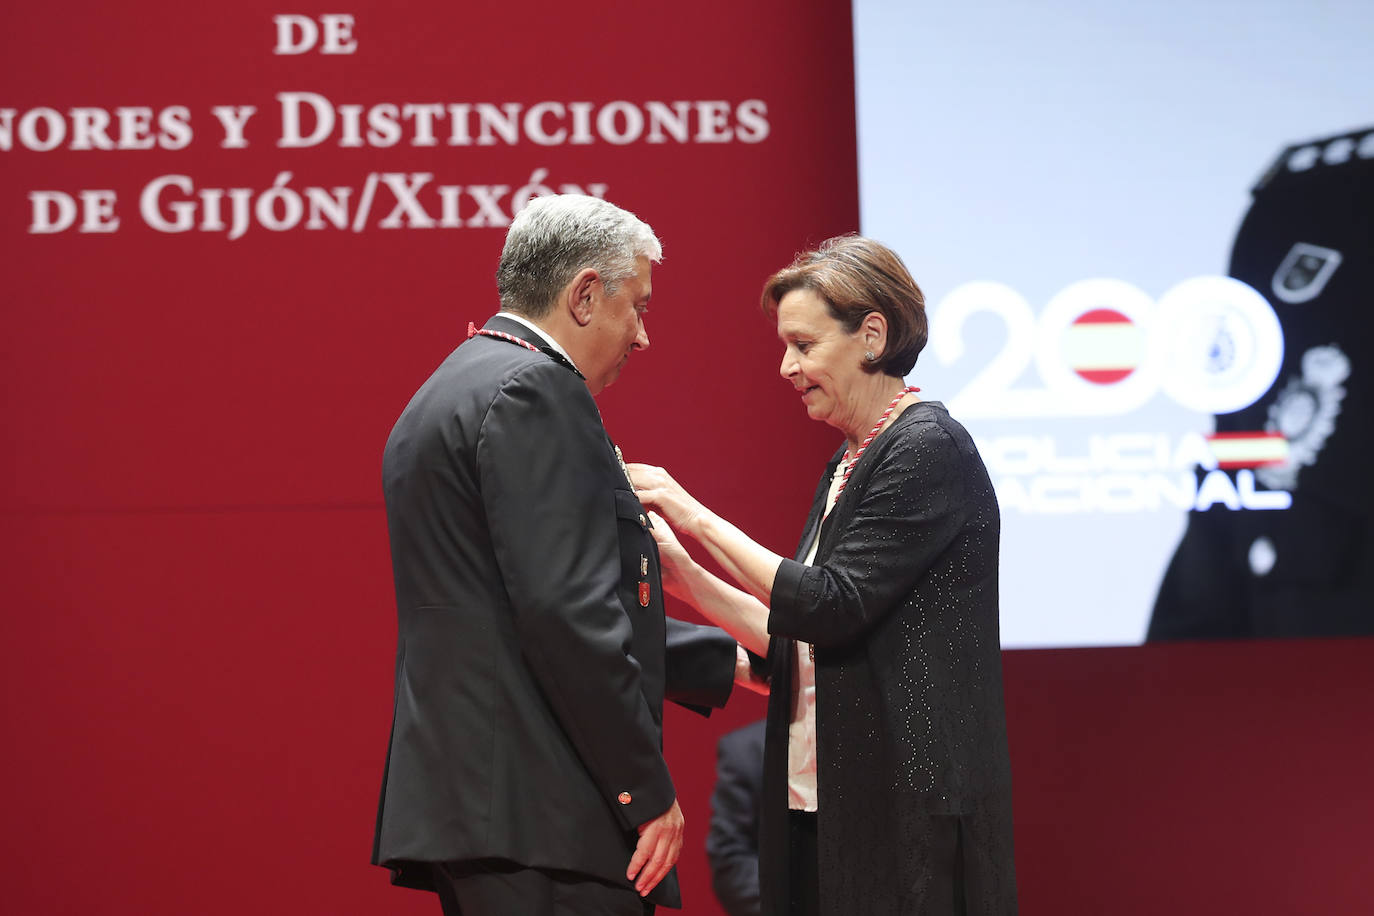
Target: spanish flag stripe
1256	449
1103	346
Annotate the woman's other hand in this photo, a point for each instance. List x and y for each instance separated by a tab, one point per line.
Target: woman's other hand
674	560
657	489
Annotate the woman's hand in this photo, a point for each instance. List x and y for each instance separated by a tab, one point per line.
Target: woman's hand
744	673
658	490
674	561
743	611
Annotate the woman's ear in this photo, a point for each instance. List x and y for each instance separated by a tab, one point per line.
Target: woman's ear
873	333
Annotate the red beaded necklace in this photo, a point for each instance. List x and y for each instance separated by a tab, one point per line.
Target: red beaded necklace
474	330
877	427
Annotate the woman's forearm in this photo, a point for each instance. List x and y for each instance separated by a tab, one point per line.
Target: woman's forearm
738	613
749	563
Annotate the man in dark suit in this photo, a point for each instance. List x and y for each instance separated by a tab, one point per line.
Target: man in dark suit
525	772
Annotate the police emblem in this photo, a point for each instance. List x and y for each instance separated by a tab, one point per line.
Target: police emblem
1303	272
1305	412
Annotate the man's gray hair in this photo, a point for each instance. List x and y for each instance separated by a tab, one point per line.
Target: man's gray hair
555	237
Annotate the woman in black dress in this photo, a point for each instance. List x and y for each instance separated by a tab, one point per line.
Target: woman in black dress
887	785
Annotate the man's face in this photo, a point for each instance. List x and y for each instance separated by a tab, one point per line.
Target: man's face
618	323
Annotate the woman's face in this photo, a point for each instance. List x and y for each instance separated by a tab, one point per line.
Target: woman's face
822	360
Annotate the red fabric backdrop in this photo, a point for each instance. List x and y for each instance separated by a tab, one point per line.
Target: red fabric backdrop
197	628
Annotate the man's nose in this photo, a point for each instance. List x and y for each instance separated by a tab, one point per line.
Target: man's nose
642	338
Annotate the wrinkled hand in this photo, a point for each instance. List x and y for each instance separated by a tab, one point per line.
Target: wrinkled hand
660	843
658	490
674	558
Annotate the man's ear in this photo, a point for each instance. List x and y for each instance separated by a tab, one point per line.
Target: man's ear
580	293
873	332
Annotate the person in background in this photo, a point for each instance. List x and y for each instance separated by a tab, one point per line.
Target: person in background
732	842
887	781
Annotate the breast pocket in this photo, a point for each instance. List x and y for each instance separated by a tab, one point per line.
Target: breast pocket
639	578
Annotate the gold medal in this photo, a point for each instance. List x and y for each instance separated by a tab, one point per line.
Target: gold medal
621	459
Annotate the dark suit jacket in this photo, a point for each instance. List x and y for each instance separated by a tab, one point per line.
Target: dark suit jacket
732	842
530	667
901	607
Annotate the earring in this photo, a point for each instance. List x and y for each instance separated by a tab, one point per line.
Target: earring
869	356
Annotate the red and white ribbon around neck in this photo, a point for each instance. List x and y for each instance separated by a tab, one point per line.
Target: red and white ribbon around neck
877	428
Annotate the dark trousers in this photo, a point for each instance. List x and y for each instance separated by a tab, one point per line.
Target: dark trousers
496	887
803	866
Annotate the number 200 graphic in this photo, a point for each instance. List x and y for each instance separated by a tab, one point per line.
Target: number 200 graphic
1103	347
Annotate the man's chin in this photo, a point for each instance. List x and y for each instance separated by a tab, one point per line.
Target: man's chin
604	382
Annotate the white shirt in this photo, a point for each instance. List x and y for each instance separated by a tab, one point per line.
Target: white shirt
801	731
521	319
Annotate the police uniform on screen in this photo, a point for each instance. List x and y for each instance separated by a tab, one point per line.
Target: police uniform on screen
1306	245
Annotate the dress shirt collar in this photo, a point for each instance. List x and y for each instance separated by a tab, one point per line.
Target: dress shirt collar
521	319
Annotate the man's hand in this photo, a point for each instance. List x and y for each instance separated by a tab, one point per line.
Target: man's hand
660	843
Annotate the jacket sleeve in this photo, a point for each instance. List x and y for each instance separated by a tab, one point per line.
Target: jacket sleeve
700	672
910	509
542	457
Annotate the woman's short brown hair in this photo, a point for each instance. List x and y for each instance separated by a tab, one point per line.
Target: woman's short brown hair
855	276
